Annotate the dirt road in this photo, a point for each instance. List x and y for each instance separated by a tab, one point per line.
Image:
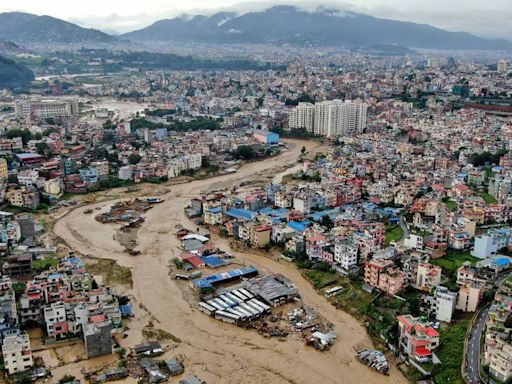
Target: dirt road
215	351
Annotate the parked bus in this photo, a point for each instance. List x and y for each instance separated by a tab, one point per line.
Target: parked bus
333	291
206	308
226	317
246	293
215	305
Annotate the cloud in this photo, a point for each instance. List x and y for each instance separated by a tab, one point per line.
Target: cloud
489	18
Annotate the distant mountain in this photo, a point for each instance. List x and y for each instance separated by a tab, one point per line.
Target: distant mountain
13	75
324	27
28	29
8	47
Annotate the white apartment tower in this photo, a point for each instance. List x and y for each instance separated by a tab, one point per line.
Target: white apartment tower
330	118
502	66
337	118
302	117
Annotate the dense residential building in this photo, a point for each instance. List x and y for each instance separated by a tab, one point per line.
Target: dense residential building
17	354
417	338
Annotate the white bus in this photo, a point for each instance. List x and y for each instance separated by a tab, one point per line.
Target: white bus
228	300
246	293
261	304
333	291
206	308
234	298
226	317
239	294
215	305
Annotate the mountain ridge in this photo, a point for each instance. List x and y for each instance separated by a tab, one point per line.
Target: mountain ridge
26	28
323	27
13	75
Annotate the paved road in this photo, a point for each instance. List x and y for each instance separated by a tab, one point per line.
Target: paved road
473	352
404	226
475	335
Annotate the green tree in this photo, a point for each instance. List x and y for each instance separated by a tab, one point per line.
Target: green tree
245	152
134	158
42	147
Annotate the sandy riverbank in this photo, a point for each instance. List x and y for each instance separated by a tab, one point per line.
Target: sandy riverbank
218	352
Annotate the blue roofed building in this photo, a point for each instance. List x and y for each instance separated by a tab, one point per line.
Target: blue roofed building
240	213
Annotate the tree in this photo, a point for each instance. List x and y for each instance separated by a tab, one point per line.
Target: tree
134	158
42	147
23	133
245	152
108	137
327	222
19	289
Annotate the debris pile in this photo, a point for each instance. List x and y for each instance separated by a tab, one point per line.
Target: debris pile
374	359
315	330
128	211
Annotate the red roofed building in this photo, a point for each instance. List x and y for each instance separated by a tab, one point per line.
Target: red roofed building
417	338
193	259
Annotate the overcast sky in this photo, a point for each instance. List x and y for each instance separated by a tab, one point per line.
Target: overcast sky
488	18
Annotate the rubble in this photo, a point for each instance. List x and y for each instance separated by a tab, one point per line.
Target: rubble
374	359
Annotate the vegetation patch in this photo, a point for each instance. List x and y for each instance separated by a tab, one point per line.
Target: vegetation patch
393	233
453	260
488	198
321	279
151	333
44	264
450	352
111	272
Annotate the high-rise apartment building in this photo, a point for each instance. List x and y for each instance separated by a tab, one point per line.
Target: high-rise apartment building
502	66
330	118
302	117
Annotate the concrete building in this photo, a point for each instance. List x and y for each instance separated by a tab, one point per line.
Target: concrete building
302	117
500	360
383	275
337	118
17	353
417	338
469	297
332	118
28	177
491	243
4	171
98	339
502	66
445	302
125	173
45	108
102	168
345	255
55	319
428	276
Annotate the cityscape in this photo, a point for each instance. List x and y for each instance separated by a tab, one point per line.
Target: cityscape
279	193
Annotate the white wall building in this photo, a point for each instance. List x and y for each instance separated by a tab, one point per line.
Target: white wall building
491	243
44	108
445	302
17	353
330	118
28	177
302	117
345	255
